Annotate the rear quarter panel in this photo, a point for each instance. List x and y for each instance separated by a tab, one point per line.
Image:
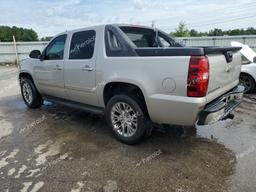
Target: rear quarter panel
148	73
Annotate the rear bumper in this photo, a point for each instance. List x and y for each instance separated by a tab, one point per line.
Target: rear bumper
175	110
222	107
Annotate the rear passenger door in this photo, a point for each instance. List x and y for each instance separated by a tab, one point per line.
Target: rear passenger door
80	68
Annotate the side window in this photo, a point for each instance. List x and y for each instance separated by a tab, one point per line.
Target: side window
163	42
168	41
55	50
82	45
116	44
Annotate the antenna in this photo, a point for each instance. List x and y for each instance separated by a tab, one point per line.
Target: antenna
156	31
153	24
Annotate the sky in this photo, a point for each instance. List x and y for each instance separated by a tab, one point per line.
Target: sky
49	17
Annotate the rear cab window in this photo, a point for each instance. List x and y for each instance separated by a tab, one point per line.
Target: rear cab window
82	45
146	37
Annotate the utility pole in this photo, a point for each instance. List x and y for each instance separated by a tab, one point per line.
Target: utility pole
16	51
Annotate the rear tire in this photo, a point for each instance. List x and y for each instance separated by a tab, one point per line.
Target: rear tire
30	95
248	82
126	118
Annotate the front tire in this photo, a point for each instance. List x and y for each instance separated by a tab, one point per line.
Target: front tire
126	118
248	82
30	94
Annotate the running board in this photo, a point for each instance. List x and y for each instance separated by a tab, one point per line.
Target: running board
77	105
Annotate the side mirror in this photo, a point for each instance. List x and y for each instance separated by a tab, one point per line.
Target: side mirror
35	54
254	60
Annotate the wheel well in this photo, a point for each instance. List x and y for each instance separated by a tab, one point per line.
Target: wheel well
25	75
243	73
253	82
116	88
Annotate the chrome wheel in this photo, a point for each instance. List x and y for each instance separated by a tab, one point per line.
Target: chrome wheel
124	119
27	93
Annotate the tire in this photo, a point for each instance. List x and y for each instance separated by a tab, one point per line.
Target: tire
127	119
30	95
248	82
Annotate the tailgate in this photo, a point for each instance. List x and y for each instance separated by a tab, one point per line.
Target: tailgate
225	67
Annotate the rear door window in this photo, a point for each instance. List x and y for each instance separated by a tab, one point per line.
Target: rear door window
82	45
163	42
115	44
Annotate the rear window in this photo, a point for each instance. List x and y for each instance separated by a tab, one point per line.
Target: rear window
144	37
140	37
82	45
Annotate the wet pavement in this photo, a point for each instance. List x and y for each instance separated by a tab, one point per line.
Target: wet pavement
56	148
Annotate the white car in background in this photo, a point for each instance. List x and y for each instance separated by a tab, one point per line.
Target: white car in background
248	70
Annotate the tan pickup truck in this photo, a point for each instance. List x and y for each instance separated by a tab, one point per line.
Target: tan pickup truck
134	75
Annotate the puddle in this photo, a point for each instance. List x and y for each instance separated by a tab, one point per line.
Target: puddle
5	160
6	128
239	135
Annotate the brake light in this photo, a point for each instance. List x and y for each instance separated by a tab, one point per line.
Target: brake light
198	76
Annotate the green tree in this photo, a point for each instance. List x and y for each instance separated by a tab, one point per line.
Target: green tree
216	32
181	30
234	32
21	34
194	33
250	31
46	38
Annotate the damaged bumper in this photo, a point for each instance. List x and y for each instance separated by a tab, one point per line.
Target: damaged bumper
222	107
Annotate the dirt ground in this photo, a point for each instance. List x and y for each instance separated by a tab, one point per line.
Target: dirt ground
56	148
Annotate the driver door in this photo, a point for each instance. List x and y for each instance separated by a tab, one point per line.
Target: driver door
49	70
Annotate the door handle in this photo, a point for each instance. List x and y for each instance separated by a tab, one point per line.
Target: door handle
87	68
58	68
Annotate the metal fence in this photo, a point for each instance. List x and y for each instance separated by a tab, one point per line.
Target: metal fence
8	53
219	40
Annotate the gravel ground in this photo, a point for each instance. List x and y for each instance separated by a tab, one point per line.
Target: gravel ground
56	148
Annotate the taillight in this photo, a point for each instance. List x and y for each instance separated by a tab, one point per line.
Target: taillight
198	76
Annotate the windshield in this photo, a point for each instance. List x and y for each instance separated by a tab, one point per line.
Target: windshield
144	37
